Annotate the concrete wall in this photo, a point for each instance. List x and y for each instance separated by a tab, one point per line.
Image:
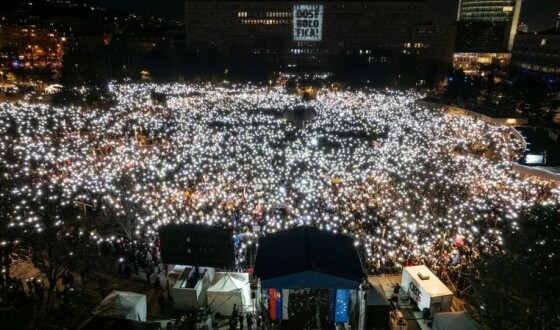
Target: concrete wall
537	172
454	110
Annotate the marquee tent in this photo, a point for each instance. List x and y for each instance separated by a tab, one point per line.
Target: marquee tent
125	305
307	257
227	290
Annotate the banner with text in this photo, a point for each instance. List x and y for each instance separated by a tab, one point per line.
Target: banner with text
308	22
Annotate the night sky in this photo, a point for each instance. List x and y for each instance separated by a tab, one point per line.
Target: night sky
539	14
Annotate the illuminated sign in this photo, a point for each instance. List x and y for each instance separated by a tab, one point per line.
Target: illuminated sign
534	159
308	22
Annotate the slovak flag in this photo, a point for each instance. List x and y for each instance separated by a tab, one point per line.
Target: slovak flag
275	303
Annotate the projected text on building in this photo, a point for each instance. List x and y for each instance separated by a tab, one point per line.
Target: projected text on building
308	22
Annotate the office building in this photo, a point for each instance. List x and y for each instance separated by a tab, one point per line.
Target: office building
485	34
29	47
487	25
297	33
433	41
538	56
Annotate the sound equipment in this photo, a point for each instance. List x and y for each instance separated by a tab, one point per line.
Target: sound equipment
197	245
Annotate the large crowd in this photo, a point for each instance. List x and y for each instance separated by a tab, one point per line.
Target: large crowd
410	184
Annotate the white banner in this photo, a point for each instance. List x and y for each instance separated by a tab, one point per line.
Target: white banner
308	22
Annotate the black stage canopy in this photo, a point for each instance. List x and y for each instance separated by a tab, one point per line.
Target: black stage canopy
306	257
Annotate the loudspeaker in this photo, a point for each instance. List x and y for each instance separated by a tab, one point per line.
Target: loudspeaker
197	245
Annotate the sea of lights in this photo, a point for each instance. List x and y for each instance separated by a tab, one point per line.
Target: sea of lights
404	180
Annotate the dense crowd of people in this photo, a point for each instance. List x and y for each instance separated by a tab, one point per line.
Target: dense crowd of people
410	184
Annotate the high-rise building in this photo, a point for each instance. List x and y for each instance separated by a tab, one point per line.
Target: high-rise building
486	31
487	10
487	25
433	41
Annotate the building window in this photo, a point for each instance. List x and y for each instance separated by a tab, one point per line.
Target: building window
508	9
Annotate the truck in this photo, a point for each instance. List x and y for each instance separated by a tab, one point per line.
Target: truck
426	290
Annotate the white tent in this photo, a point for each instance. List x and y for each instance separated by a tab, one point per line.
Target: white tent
453	321
126	305
227	290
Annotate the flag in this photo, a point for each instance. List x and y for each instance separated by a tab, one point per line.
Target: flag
456	258
341	307
275	303
285	304
459	240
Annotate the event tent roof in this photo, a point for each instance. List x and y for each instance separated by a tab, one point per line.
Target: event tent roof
229	282
306	257
227	290
120	304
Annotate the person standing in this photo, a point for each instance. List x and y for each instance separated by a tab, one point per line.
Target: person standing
259	322
241	320
234	312
249	321
232	322
397	288
395	295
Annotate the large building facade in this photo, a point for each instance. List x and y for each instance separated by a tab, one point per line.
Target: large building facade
486	31
306	32
487	25
538	56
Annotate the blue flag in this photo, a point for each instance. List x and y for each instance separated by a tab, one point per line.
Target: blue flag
341	307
